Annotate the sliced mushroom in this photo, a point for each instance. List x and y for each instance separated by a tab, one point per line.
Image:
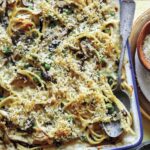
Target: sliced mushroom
3	92
86	47
21	81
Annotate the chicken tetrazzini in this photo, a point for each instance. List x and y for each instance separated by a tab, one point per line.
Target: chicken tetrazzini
58	67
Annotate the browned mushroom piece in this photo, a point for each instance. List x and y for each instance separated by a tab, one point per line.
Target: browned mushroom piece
21	26
3	92
87	47
21	81
36	17
16	57
108	27
84	47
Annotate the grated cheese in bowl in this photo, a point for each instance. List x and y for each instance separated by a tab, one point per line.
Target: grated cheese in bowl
146	47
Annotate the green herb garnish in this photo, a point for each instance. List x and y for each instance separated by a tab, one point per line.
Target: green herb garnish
34	56
83	138
35	79
107	30
70	119
110	80
30	7
53	21
39	73
110	108
47	66
53	24
67	11
27	66
112	13
7	51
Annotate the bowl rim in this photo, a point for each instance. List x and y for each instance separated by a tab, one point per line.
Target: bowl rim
140	41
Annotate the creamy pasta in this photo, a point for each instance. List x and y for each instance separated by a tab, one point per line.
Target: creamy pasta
58	68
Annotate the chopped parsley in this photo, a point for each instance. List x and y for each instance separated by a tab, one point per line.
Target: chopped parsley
39	73
30	7
68	11
83	138
112	13
36	80
47	66
107	30
7	51
70	119
53	24
110	108
110	80
27	65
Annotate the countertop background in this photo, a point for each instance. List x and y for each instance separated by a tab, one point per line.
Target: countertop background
141	6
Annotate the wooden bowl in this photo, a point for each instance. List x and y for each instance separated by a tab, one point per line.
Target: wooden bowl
137	27
144	32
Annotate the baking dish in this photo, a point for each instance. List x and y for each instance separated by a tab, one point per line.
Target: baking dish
61	125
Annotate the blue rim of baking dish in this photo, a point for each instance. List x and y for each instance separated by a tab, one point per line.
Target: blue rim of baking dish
137	106
137	103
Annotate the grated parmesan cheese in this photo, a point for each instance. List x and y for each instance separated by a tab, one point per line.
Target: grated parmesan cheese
146	47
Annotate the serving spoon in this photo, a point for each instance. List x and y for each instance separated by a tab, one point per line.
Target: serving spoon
113	129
